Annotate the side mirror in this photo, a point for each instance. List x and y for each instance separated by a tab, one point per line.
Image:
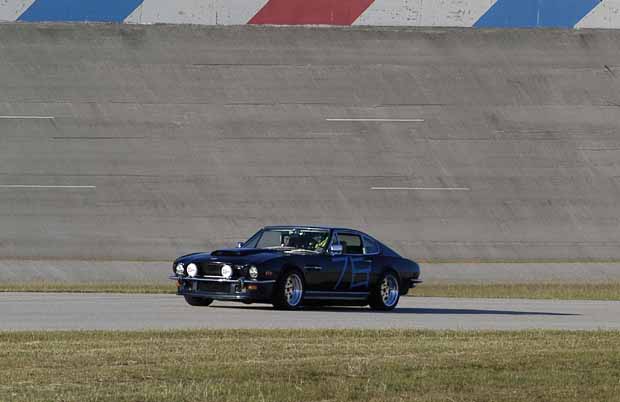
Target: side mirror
240	244
335	249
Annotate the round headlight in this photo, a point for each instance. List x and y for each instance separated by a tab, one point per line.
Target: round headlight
227	271
192	270
179	269
253	271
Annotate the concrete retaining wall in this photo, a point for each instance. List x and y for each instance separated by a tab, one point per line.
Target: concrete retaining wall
437	13
190	138
591	273
71	271
154	272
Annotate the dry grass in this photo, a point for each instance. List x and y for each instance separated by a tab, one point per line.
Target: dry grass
95	287
564	291
310	365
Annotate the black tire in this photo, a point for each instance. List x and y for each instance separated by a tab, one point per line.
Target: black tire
385	294
289	291
197	301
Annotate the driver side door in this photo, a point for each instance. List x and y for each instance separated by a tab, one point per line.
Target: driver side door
355	268
321	271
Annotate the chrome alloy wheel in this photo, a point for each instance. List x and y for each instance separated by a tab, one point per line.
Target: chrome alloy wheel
389	290
293	290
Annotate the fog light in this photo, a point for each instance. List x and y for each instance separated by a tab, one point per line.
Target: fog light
227	271
192	270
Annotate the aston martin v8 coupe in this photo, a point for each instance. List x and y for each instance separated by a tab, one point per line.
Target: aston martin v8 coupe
292	266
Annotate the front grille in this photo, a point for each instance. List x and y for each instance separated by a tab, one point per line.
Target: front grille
222	287
211	269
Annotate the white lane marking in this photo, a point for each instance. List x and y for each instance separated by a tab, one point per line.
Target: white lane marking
379	120
424	188
44	186
27	117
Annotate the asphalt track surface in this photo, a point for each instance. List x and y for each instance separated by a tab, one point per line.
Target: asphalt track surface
40	311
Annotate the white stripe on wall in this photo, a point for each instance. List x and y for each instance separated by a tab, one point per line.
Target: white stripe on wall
605	15
422	188
446	13
376	120
45	186
27	117
209	12
10	10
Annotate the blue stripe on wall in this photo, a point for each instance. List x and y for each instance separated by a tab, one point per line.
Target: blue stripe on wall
80	10
536	13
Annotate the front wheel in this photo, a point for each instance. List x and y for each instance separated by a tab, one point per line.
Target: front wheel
198	301
386	293
289	291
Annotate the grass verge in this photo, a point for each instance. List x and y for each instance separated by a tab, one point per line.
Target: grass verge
95	287
565	291
311	365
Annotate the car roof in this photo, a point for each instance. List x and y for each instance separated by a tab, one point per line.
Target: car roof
383	246
311	227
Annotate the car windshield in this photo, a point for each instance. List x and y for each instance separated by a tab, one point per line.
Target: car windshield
292	240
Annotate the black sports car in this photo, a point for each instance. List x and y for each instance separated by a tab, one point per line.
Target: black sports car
293	265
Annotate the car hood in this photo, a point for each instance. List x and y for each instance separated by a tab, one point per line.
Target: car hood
232	255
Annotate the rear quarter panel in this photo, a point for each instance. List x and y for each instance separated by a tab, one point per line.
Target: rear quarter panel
405	268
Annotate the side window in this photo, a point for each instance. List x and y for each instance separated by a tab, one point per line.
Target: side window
335	239
351	243
251	243
370	246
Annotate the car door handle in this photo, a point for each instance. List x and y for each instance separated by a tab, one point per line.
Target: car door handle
368	260
313	268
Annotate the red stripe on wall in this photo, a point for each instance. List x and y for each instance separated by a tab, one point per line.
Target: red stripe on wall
311	12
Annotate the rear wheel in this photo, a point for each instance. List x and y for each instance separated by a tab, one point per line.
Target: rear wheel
386	293
197	301
289	291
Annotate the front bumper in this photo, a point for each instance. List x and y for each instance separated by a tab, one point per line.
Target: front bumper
224	289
